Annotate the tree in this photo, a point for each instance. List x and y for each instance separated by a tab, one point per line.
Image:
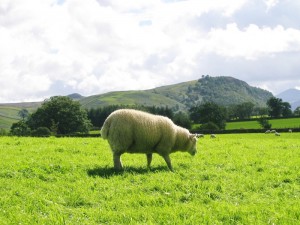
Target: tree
62	113
275	107
244	110
183	120
23	113
279	108
286	109
209	112
297	111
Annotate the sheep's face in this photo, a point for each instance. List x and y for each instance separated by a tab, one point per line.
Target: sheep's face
192	144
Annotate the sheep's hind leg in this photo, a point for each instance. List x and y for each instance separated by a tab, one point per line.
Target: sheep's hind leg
149	159
117	161
168	161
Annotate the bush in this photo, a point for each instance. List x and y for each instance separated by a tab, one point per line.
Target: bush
20	129
210	126
41	132
264	123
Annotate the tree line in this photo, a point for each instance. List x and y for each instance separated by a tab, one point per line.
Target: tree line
61	115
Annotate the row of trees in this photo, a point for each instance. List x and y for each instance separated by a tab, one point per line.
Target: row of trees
98	115
62	115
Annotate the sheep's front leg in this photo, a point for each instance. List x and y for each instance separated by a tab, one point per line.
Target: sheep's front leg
149	159
117	161
168	161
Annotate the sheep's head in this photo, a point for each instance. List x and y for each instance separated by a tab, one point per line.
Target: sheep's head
192	144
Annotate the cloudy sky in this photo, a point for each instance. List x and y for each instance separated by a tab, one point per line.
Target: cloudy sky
58	47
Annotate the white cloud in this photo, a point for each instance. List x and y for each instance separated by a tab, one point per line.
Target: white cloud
95	46
253	42
270	4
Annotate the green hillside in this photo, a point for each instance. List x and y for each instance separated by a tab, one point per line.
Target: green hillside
146	98
222	90
8	116
9	112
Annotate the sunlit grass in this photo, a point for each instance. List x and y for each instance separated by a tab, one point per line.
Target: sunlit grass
235	179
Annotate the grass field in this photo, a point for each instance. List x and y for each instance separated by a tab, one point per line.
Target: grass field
234	179
276	123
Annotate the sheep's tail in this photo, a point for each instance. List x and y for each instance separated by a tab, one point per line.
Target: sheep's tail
105	128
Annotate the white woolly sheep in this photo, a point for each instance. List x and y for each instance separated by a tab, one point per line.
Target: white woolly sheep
273	131
277	134
133	131
213	136
290	130
267	131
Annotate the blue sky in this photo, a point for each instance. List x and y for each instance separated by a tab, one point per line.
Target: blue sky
58	47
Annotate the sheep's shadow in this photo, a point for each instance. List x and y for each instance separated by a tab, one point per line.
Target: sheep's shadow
106	172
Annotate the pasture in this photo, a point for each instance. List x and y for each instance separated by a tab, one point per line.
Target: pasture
284	123
234	179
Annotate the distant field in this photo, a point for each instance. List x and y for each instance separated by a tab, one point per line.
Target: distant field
276	123
234	179
8	115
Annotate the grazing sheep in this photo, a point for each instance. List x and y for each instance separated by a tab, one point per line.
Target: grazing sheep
273	131
133	131
213	136
267	131
277	134
200	135
290	130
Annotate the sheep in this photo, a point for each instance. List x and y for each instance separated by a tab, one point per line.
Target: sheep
290	130
133	131
200	135
273	131
277	134
267	131
213	136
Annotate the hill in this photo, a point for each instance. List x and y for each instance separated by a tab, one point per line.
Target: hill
147	98
292	96
75	96
221	90
9	112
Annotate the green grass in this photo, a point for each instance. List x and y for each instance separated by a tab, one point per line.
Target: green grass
235	179
276	123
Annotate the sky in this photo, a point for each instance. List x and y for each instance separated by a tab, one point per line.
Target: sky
59	47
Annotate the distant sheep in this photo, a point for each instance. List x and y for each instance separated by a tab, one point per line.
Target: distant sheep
133	131
200	135
267	132
213	136
290	130
273	131
277	134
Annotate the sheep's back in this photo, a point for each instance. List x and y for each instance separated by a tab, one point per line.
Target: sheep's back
138	131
